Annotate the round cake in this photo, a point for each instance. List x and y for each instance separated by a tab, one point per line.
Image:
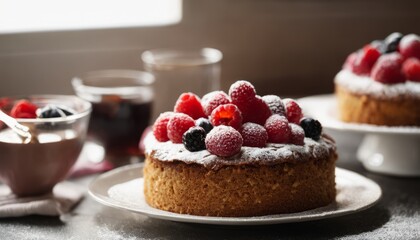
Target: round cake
235	162
380	84
280	178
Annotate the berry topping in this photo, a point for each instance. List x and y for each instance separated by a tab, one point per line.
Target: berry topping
23	109
189	104
348	64
365	60
379	44
227	114
242	92
410	46
204	123
252	107
312	128
388	69
193	139
224	141
53	111
297	135
275	104
254	135
391	42
278	129
411	69
293	110
214	100
257	112
178	124
160	130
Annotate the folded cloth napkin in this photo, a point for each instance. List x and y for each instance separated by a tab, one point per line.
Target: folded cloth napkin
64	197
83	168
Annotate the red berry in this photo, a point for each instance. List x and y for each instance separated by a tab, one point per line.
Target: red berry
254	135
224	141
189	104
365	60
388	69
257	111
278	129
214	100
242	92
178	124
293	110
348	64
275	104
410	46
160	130
411	69
297	135
23	109
227	114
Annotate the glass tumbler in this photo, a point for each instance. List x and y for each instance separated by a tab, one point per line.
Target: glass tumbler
121	109
182	70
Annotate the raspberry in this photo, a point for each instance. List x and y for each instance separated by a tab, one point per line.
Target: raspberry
312	128
242	92
214	100
348	64
193	139
257	111
365	60
204	123
278	129
410	46
224	141
227	114
297	135
178	124
254	135
160	130
380	45
293	110
23	109
189	104
411	69
275	104
388	69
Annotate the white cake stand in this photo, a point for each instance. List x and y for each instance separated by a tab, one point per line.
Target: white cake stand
387	150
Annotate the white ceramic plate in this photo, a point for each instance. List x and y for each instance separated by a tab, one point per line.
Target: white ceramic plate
122	188
324	108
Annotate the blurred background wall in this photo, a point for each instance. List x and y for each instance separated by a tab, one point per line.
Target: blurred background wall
284	47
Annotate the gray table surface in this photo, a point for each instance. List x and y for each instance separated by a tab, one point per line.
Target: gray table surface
396	216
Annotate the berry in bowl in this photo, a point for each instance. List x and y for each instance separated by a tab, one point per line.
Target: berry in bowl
57	129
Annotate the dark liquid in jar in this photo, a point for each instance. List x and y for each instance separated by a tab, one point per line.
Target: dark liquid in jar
118	124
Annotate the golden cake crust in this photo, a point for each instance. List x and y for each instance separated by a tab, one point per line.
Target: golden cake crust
246	189
364	108
363	100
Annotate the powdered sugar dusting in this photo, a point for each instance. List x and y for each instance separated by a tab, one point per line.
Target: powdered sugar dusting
365	85
272	154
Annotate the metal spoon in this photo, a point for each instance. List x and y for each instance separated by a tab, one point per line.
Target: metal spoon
19	129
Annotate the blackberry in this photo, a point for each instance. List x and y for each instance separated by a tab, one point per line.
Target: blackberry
312	128
53	111
194	139
391	42
204	123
